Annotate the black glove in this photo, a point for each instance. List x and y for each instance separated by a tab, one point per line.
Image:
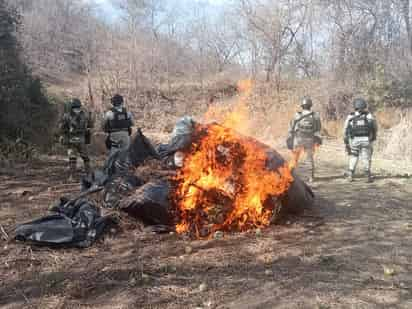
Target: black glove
348	150
130	131
317	140
347	146
289	142
108	143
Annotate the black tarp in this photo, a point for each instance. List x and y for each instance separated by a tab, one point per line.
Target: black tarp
117	175
122	162
299	195
150	203
76	224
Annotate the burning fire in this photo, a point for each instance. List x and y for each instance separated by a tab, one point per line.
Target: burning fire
229	181
238	118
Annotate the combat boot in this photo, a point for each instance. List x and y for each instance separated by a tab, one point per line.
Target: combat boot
349	176
369	177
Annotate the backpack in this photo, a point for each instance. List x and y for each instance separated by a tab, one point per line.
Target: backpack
360	126
120	122
305	125
78	123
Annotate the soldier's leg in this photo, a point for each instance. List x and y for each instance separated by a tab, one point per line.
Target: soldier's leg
114	145
126	143
300	155
353	161
71	152
113	150
311	161
84	154
366	155
122	140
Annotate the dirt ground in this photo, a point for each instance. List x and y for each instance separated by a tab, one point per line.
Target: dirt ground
351	251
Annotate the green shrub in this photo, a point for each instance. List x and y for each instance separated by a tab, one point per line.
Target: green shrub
25	111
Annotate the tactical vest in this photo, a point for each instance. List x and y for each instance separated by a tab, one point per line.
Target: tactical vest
360	126
120	121
78	123
306	125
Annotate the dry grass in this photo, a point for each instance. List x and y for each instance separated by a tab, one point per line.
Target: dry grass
388	117
157	110
332	257
396	142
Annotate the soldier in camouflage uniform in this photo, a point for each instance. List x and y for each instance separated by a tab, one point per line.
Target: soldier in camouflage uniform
360	132
118	124
304	132
75	128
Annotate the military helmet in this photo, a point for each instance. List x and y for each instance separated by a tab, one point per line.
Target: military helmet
359	104
117	100
75	103
306	102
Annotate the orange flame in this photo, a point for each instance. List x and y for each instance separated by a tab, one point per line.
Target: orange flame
228	169
225	182
237	116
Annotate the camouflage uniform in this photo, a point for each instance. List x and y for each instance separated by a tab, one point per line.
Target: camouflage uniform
75	127
305	129
360	132
118	124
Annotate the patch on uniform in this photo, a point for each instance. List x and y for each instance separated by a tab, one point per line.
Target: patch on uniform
75	140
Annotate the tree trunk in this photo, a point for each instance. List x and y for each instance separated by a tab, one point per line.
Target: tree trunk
406	17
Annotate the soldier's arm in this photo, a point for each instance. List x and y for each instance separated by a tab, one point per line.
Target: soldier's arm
90	120
130	116
374	126
105	122
318	124
292	125
64	124
346	130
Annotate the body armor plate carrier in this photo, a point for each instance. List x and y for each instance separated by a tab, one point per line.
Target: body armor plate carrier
78	124
120	122
306	125
360	126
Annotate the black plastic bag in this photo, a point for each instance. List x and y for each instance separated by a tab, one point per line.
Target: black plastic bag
122	162
77	224
150	203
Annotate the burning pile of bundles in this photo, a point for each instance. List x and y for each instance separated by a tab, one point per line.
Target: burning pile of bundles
208	178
